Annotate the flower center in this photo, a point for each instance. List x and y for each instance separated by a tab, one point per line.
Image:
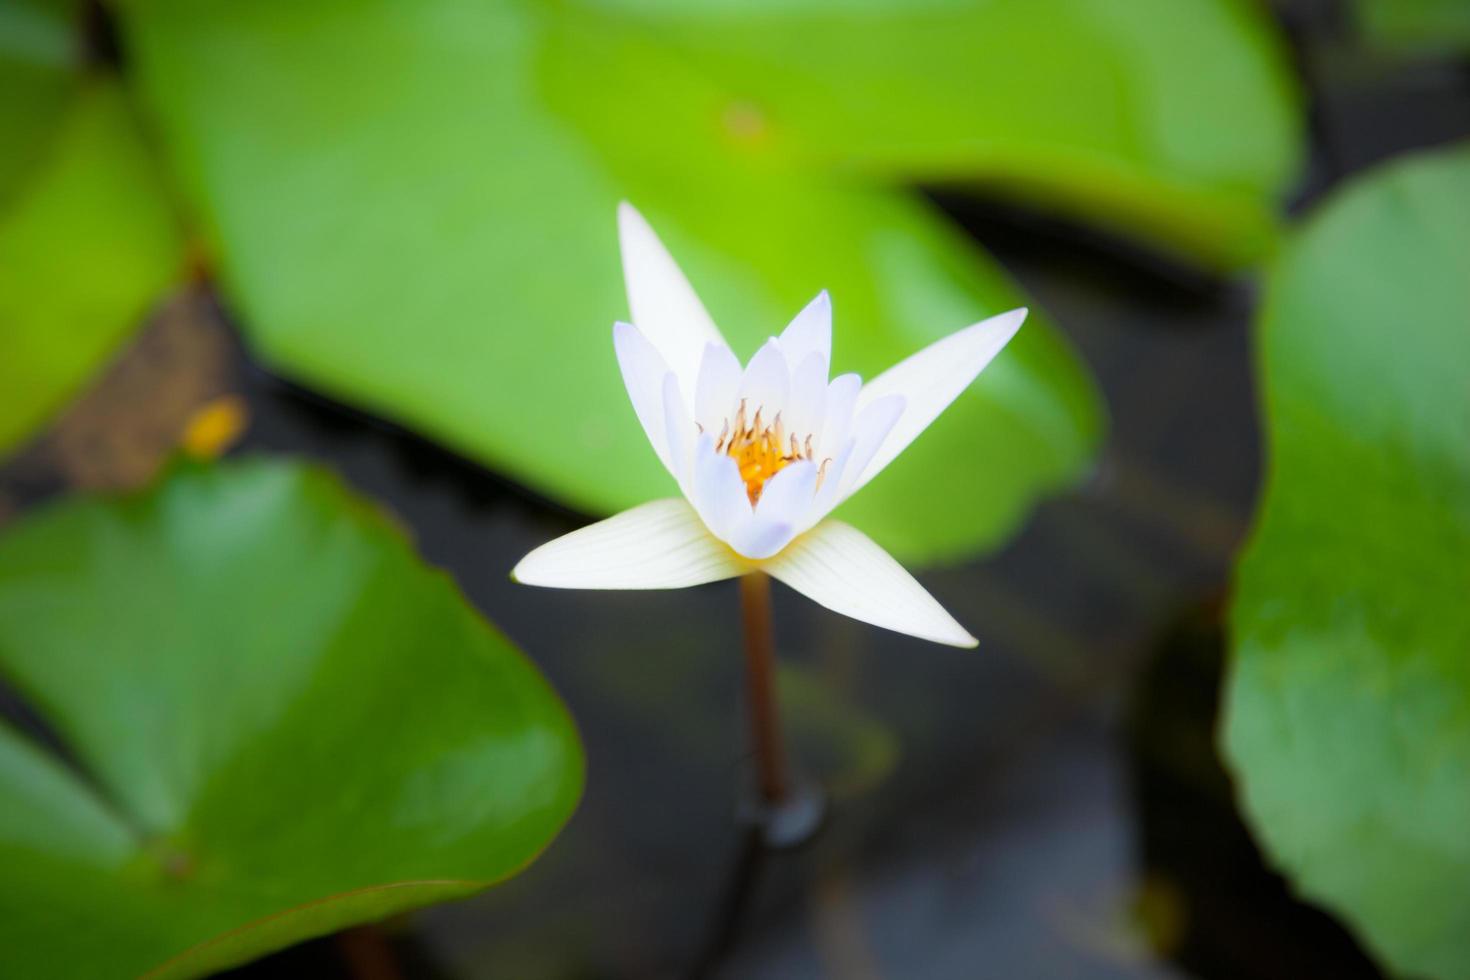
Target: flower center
760	449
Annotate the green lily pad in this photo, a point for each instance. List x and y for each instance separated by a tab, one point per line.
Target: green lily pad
1348	710
1177	122
88	242
413	207
282	724
1419	24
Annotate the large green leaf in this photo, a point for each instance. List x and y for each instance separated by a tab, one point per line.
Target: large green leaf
1174	121
88	242
413	206
1348	719
284	724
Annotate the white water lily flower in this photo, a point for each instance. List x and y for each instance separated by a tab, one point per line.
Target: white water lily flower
762	453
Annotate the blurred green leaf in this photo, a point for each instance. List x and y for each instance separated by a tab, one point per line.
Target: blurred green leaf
37	75
1173	121
1348	716
87	243
413	206
282	723
1432	24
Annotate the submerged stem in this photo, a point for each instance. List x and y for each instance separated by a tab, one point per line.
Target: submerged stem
760	687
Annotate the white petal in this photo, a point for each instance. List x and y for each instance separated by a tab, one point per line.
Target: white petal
718	493
664	305
767	383
786	496
807	405
839	567
783	501
658	545
643	375
870	430
931	379
714	392
810	332
842	395
680	432
757	539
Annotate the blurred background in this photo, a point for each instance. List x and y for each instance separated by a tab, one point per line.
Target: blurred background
379	238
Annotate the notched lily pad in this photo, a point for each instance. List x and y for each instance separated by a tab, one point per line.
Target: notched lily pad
282	723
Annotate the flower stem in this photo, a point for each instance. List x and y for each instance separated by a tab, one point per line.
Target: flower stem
760	687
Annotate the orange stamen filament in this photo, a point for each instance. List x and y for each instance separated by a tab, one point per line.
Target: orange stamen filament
762	450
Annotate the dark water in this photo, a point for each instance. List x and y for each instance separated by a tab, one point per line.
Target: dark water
1049	806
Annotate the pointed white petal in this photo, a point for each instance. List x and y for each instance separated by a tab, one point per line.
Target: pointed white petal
842	395
808	402
657	545
679	431
663	303
810	332
933	378
643	375
839	567
714	392
718	493
767	383
870	430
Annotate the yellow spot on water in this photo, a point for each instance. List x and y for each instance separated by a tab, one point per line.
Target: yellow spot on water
216	427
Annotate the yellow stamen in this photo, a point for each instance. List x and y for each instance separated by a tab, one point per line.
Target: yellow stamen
760	451
822	471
